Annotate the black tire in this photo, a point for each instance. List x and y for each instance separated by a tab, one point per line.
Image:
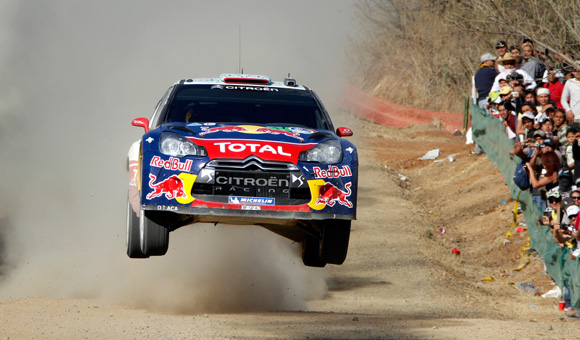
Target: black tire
335	237
133	238
154	237
311	252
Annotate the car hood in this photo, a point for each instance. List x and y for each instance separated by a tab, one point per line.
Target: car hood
241	141
288	134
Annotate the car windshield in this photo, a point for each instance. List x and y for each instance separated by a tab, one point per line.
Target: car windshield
240	104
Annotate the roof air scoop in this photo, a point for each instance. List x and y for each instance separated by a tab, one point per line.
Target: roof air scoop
245	79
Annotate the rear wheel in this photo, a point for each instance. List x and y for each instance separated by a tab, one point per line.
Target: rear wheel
335	237
154	238
133	235
311	252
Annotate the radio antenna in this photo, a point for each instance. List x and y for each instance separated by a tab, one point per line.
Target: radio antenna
240	50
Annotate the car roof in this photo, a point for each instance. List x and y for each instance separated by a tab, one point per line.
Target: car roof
241	80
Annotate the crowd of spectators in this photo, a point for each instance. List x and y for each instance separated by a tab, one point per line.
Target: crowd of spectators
537	97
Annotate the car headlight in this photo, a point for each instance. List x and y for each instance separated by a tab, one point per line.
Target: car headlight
328	152
173	144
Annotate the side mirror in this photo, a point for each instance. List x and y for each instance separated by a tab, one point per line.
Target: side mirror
344	132
142	122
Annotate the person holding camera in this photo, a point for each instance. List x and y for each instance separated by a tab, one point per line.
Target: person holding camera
549	162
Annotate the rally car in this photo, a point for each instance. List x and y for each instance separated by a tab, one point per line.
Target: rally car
243	149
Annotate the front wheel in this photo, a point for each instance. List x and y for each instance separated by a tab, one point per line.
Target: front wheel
311	252
154	237
335	237
133	235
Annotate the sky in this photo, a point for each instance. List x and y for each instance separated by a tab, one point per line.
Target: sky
74	74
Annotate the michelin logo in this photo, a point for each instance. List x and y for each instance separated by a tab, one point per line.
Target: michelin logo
251	200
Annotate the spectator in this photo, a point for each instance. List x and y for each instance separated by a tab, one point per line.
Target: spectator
562	234
484	78
531	63
551	164
543	99
561	126
508	62
571	97
553	84
557	215
530	96
570	138
515	51
525	128
508	117
547	125
501	50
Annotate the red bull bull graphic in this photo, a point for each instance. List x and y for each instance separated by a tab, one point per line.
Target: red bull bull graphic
207	130
332	172
171	164
330	195
171	187
254	129
278	132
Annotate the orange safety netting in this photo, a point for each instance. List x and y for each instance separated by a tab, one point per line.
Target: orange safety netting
386	113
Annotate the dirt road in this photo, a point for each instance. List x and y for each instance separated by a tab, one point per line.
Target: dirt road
399	280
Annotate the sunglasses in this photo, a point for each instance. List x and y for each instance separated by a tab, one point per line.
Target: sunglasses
509	63
553	200
575	197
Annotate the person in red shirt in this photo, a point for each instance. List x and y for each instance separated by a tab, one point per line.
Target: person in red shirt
555	87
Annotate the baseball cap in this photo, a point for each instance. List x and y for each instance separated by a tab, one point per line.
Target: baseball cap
487	56
540	118
529	115
572	210
500	44
515	76
543	90
549	142
505	90
526	39
554	194
539	133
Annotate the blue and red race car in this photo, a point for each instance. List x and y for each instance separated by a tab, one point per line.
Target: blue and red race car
242	149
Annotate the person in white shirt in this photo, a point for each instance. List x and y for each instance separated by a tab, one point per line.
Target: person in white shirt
509	62
571	97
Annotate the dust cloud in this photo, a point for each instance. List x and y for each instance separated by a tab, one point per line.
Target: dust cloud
73	75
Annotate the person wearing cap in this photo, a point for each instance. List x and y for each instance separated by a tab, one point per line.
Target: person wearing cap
543	99
571	96
484	78
550	163
549	146
557	214
508	62
554	85
501	50
563	231
525	126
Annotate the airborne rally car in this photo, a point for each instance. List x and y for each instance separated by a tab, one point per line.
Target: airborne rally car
242	149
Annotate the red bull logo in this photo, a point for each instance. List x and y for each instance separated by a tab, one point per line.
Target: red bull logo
253	129
330	195
332	172
171	164
171	187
